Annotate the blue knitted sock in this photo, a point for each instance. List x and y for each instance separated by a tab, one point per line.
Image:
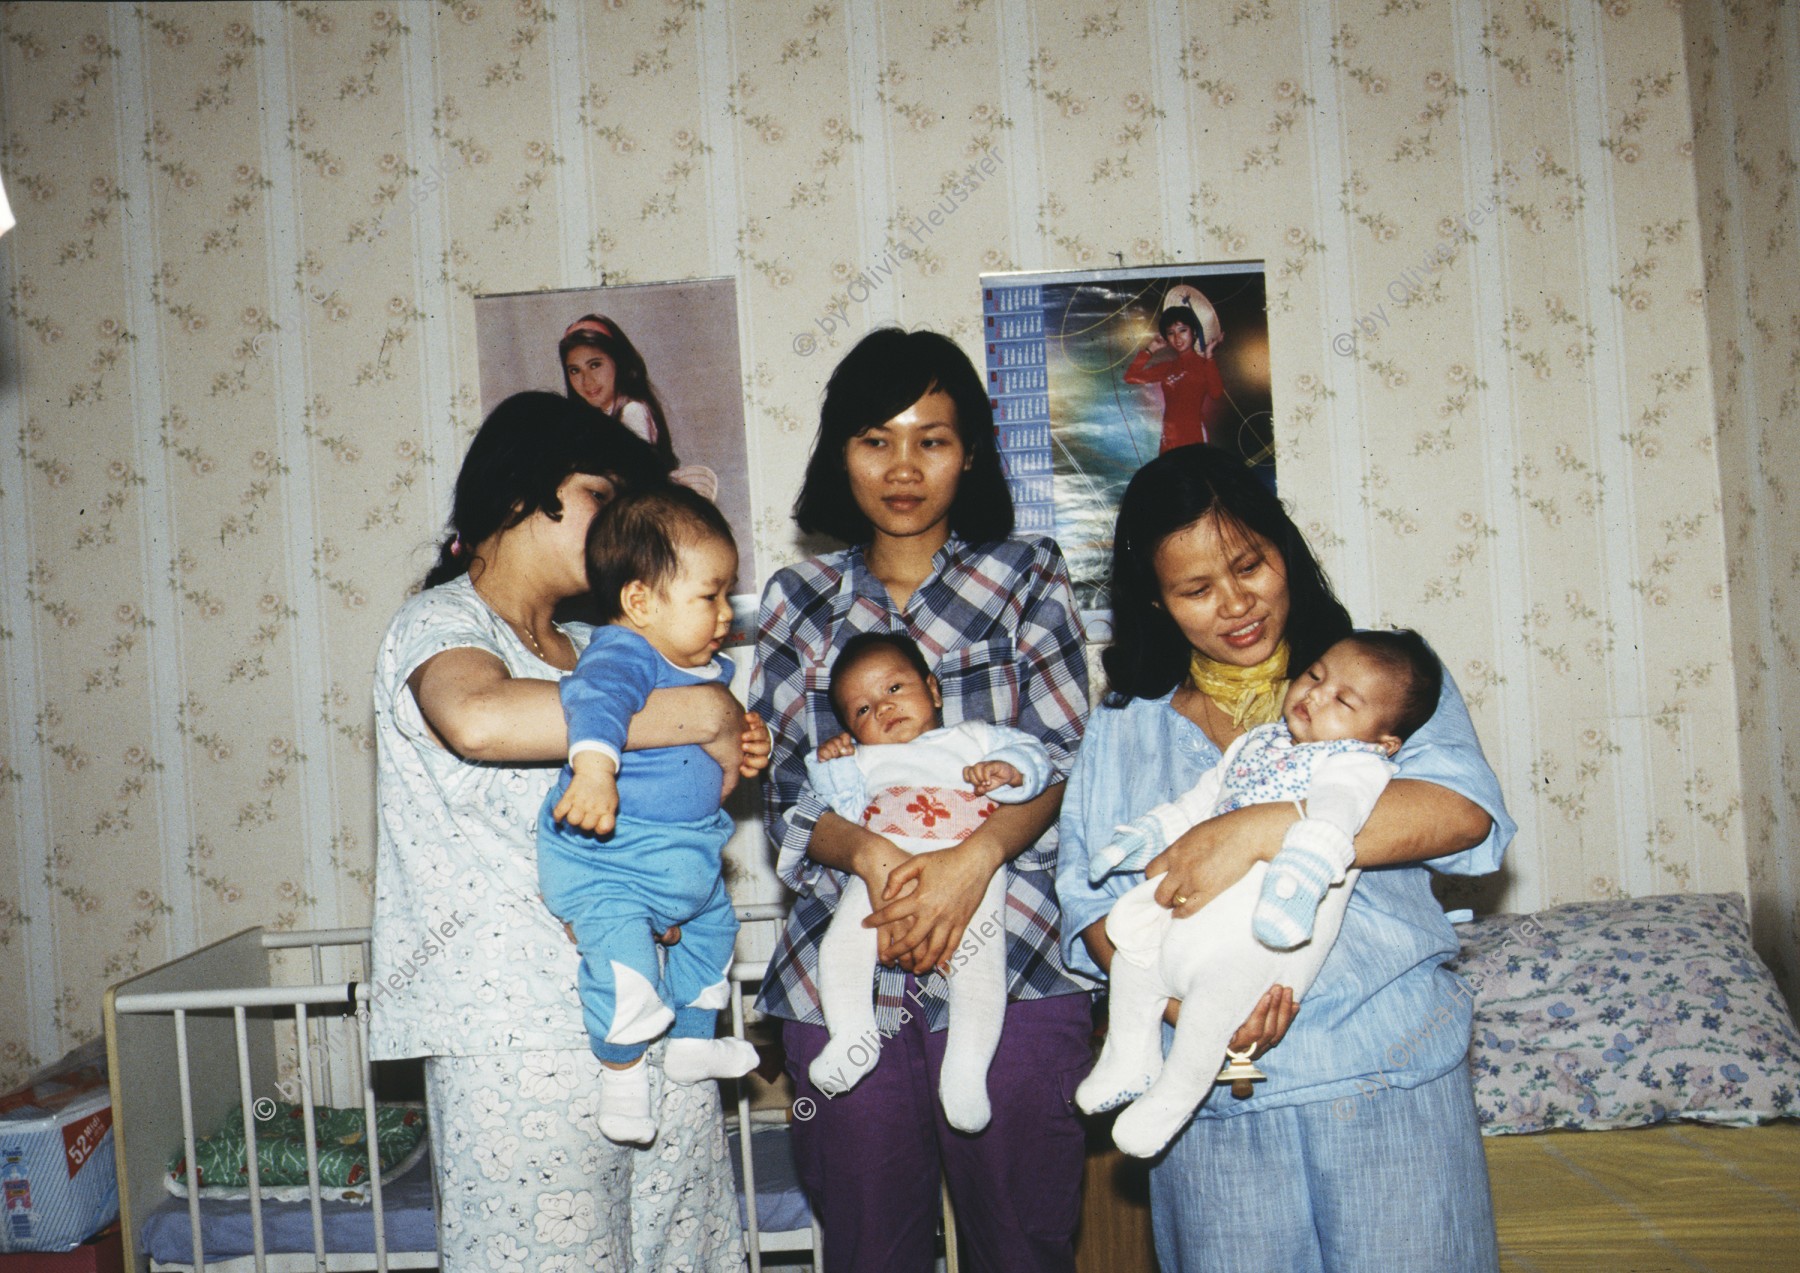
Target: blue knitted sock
1312	858
1133	844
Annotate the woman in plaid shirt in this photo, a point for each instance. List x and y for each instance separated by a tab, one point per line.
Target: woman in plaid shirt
905	470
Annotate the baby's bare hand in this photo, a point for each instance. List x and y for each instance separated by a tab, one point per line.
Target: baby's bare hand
985	775
756	744
837	748
590	804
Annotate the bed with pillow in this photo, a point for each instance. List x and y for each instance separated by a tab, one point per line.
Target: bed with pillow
1652	1021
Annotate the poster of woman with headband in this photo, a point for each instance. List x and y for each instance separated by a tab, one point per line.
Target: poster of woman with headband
662	360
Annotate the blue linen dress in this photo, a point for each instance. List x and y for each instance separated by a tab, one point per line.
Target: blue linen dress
1362	1148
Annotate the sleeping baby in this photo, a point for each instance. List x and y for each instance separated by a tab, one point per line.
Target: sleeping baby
1342	719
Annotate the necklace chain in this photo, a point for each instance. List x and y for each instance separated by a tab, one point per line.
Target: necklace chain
525	632
516	626
1208	709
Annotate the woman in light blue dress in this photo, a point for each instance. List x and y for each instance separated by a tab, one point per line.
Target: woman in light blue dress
1361	1150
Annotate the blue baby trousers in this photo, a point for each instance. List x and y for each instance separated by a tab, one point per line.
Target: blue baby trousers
618	892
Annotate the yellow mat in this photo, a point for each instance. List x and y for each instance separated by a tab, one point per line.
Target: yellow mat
1675	1197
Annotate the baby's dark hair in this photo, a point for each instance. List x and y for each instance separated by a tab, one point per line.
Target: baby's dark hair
640	535
1403	654
863	644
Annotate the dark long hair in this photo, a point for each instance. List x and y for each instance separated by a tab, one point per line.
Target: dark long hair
631	378
886	372
1148	656
527	448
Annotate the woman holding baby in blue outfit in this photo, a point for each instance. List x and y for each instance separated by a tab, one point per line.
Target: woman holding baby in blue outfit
470	736
1361	1149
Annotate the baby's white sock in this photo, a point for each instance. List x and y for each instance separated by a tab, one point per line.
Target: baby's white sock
696	1060
625	1104
977	1013
1131	1058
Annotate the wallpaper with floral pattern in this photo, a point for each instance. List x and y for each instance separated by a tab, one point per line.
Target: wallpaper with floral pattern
1531	288
1742	66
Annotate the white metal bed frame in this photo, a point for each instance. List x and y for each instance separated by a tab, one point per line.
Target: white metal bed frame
220	1059
210	994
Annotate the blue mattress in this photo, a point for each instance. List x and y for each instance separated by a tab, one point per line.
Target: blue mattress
407	1211
287	1226
780	1203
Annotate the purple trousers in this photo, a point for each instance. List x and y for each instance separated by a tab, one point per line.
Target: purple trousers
870	1158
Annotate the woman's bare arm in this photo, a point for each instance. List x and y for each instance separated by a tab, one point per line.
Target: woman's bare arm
1416	821
1099	945
842	845
935	895
478	710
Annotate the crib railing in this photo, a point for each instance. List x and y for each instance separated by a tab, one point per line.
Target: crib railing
746	972
177	1014
351	948
750	972
188	1024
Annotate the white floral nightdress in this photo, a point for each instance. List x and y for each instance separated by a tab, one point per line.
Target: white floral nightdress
473	973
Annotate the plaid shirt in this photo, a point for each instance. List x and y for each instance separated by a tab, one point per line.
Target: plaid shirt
998	622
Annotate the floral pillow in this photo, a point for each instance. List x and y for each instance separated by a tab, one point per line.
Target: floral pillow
1623	1013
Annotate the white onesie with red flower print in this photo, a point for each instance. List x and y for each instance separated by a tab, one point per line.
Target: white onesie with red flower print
913	794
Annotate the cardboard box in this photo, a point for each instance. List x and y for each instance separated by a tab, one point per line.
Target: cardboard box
58	1179
102	1253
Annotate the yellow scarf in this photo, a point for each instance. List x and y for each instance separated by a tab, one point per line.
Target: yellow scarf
1251	696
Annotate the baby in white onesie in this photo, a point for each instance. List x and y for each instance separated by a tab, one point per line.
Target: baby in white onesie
1342	719
924	787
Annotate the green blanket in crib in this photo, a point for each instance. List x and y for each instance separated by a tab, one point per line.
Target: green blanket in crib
223	1159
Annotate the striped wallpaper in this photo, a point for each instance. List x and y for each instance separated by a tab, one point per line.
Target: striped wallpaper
1743	63
238	368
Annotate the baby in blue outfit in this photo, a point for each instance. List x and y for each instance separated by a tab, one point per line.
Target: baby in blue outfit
630	843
